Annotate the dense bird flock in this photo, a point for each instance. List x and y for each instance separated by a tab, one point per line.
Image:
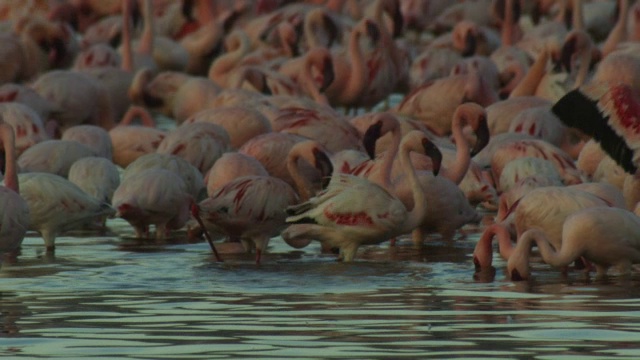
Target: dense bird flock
349	122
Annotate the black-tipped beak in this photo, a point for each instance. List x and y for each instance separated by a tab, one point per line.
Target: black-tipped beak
566	54
328	74
434	153
515	275
373	31
187	9
482	136
370	137
332	29
322	162
470	45
151	101
398	20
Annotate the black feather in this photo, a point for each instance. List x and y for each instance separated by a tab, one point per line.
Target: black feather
577	110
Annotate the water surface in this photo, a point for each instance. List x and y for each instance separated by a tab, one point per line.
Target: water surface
111	296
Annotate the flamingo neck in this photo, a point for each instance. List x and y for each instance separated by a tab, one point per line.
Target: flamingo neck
483	252
463	156
417	213
506	35
358	70
383	177
220	68
530	82
583	70
303	185
306	82
577	22
556	258
145	46
138	112
619	32
127	57
11	173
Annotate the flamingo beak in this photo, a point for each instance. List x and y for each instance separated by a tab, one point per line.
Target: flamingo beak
373	31
328	74
566	54
370	137
434	153
322	162
515	275
482	136
470	45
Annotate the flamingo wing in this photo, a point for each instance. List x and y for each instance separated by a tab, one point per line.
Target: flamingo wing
608	113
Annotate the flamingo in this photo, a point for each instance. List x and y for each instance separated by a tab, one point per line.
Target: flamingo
241	123
200	143
132	141
450	91
229	166
544	208
78	98
605	237
153	196
249	209
352	211
57	205
14	211
189	174
96	176
92	136
53	156
26	123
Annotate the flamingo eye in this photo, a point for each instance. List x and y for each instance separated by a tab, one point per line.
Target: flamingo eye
223	210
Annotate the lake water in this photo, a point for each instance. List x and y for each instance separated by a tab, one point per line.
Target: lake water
114	297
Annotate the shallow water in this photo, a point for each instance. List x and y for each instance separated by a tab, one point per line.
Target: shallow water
114	297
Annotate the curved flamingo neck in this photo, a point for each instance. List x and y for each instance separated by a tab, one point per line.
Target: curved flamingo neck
583	69
358	70
220	68
127	57
463	156
11	173
303	185
483	252
306	81
417	213
557	258
528	85
138	112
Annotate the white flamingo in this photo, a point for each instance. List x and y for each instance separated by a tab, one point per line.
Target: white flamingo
354	211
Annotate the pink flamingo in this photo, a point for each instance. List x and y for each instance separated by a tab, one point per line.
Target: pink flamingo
605	237
229	166
241	123
153	196
92	136
57	205
352	211
249	209
78	98
200	143
189	174
545	208
14	211
451	92
132	141
97	176
26	123
53	156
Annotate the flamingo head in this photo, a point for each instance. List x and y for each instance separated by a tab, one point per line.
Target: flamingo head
518	265
372	31
432	151
481	130
323	164
370	137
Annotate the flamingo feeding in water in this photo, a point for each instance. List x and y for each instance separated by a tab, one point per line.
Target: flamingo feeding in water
14	212
354	211
604	236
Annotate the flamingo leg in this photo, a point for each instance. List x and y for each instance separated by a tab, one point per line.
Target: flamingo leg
195	211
